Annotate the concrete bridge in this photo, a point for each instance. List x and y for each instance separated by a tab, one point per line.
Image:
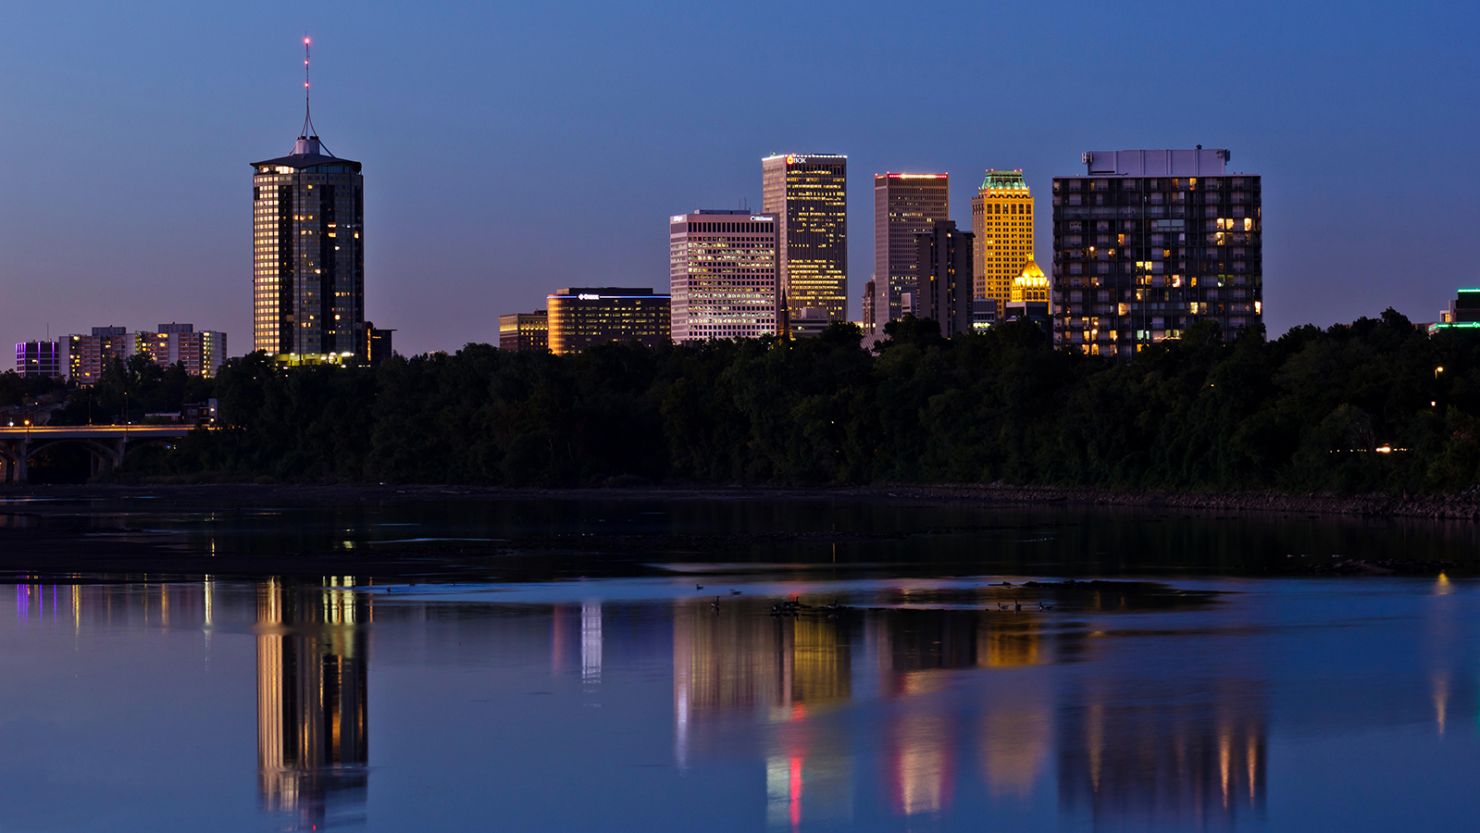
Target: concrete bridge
107	444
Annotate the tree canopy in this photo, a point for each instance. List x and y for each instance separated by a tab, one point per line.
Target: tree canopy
1358	407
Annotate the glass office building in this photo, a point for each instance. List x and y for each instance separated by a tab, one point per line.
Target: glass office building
722	275
808	195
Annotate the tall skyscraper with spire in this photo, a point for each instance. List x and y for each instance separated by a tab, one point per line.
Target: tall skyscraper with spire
308	257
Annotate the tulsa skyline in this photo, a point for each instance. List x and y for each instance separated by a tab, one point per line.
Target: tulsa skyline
111	238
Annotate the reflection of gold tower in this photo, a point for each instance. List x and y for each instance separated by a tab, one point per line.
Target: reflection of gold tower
819	660
311	697
1010	646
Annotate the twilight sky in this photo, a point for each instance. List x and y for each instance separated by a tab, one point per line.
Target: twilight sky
512	148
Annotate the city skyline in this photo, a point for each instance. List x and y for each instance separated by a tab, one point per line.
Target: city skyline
1331	255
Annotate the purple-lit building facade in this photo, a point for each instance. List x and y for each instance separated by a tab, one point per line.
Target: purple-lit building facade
37	359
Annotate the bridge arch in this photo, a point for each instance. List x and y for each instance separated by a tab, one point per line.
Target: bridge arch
106	455
107	445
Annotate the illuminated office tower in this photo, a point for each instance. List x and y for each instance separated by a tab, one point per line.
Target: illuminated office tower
1148	243
308	257
905	206
808	195
583	317
722	275
524	331
1002	219
943	288
37	360
870	312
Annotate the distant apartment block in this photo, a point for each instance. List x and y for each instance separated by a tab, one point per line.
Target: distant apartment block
583	317
524	331
722	273
201	353
38	360
84	357
1149	242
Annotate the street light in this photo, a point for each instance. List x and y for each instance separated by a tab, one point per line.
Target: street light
1438	370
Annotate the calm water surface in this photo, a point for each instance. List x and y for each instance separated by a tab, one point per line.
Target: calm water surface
893	699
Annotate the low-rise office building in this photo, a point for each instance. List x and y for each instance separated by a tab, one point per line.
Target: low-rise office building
582	317
524	331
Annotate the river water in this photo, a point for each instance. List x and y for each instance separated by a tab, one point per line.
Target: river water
773	665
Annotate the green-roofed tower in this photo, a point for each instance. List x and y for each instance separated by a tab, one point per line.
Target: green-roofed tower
1002	220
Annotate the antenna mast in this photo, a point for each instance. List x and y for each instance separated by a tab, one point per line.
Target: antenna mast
308	129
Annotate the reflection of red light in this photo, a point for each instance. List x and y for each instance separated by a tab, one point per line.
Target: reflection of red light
798	711
796	791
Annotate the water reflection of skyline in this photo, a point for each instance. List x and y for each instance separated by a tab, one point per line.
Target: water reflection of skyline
1205	760
843	719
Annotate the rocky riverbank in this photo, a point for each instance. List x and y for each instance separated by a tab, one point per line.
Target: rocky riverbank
1458	507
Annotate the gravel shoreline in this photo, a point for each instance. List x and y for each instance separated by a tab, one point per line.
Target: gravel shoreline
1458	507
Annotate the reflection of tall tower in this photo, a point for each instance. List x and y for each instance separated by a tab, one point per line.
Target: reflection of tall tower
311	698
736	660
591	642
920	759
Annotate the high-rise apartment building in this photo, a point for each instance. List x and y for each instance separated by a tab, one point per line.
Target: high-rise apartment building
905	207
582	317
1149	242
308	256
524	331
37	360
201	353
722	275
84	357
945	280
1002	219
808	195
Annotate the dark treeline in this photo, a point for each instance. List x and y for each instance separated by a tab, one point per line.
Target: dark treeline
1306	412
